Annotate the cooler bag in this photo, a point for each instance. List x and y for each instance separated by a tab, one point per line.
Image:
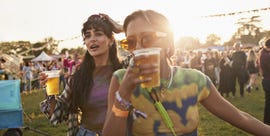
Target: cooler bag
11	119
10	104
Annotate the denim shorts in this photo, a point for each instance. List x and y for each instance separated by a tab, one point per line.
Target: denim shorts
85	132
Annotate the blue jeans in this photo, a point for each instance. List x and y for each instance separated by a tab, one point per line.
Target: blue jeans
85	132
27	85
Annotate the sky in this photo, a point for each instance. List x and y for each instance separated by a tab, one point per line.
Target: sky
34	20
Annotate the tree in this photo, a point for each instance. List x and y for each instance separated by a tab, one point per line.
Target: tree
212	39
63	51
52	45
16	47
249	30
28	50
79	50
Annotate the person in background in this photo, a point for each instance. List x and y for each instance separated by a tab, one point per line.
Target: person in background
252	69
87	89
195	62
216	57
209	66
179	57
225	74
22	77
239	61
264	67
2	71
27	76
71	64
132	110
54	65
62	81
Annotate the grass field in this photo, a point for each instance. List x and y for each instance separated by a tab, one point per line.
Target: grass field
36	123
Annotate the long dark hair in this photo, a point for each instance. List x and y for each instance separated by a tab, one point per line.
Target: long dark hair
82	80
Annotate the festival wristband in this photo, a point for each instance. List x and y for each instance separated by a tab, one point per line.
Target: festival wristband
124	103
118	112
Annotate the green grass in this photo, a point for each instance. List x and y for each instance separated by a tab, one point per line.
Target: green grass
210	125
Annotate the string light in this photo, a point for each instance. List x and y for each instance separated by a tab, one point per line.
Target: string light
239	12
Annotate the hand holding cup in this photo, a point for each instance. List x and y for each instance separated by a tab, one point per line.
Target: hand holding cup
51	79
148	62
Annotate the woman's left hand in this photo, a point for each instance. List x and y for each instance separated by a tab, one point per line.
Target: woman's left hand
117	28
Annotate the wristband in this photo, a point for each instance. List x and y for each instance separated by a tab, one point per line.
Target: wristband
126	105
118	112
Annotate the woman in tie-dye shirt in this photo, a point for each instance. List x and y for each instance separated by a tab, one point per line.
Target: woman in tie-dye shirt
131	110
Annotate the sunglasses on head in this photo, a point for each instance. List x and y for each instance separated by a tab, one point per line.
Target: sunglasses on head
146	40
96	17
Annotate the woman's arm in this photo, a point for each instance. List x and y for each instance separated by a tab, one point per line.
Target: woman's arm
115	124
223	109
117	28
54	106
110	127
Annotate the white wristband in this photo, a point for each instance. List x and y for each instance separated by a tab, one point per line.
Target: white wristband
127	105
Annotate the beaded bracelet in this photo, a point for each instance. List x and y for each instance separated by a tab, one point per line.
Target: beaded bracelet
127	105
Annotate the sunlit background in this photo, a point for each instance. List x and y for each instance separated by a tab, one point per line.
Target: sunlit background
34	20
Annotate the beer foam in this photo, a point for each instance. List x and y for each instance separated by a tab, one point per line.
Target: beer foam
146	51
53	73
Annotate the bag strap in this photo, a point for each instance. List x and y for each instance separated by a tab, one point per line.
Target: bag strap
162	111
130	121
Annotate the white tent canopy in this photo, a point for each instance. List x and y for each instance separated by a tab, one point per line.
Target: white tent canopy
43	57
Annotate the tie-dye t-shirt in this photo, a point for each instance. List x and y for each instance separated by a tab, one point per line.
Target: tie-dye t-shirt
188	88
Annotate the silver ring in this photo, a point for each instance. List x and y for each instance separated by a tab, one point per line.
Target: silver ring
131	63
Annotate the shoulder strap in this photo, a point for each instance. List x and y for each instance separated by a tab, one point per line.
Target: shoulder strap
162	111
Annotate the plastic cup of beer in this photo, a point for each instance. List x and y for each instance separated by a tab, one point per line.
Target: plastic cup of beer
52	85
153	56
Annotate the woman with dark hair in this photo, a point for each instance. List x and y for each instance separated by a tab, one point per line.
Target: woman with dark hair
87	89
170	109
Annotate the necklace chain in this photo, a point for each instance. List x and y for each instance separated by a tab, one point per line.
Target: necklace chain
165	84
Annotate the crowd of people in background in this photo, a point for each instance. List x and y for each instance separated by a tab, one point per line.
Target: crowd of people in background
226	68
29	71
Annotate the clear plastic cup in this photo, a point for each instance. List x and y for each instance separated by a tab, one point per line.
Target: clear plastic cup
52	85
154	58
